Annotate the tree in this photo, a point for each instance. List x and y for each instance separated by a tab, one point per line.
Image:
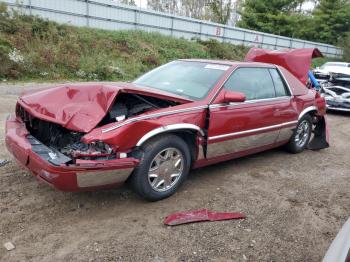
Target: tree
128	2
221	11
331	20
214	10
194	8
345	45
168	6
280	17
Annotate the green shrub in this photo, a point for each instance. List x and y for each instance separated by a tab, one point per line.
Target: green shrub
35	48
224	51
345	44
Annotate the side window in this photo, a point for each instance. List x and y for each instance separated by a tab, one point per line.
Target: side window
255	83
281	88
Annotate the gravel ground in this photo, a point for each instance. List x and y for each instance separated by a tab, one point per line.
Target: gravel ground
295	205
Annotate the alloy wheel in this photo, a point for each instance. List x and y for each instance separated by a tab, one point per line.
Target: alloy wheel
166	169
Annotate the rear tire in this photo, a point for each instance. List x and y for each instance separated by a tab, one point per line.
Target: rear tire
164	166
301	136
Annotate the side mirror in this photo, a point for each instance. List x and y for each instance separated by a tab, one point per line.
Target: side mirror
233	97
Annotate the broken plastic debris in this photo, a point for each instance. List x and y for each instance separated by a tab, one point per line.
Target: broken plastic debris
199	216
4	162
9	246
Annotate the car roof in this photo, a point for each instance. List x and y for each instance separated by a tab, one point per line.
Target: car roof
228	62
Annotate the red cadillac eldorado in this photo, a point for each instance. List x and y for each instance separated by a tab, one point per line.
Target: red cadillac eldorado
182	115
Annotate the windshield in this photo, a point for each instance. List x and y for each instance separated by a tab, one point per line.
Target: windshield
193	80
335	64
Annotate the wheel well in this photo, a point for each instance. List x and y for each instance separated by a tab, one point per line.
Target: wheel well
311	110
313	115
189	136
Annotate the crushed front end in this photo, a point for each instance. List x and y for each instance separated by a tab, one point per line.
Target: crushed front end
57	156
336	91
47	134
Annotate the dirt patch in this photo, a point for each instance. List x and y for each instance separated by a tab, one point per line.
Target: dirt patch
295	205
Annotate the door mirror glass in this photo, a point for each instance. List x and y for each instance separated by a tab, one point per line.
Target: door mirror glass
234	97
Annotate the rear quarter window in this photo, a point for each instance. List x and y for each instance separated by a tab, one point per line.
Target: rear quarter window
280	86
297	87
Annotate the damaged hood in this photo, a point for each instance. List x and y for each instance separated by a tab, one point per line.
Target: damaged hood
296	61
81	107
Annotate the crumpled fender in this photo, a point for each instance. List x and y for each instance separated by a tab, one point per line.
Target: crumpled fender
321	135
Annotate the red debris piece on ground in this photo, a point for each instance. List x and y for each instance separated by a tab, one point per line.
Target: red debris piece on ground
199	216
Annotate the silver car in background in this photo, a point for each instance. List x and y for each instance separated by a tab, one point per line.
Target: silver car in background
334	78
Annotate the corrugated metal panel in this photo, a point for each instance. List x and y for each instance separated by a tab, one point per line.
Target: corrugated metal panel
110	25
106	14
188	26
61	18
69	6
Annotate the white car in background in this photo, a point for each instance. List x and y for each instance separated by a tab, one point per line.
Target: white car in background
332	68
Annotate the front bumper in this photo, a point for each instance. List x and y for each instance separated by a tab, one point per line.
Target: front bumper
87	176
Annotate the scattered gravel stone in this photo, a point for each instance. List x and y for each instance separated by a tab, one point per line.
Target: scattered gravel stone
4	162
9	246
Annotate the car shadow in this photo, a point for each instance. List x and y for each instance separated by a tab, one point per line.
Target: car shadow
338	113
216	169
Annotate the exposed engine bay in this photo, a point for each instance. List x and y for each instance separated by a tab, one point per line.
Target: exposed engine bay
67	142
129	105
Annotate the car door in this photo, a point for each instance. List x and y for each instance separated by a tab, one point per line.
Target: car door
285	111
252	125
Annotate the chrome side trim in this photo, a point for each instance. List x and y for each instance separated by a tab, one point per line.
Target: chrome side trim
307	110
241	144
250	102
102	178
139	118
253	130
163	129
285	134
200	153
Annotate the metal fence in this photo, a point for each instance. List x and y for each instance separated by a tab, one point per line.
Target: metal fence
105	14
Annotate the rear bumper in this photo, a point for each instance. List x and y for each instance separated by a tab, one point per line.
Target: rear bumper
90	175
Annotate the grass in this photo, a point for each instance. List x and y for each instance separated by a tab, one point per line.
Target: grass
32	48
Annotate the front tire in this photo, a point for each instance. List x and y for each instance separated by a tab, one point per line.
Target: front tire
301	136
164	166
